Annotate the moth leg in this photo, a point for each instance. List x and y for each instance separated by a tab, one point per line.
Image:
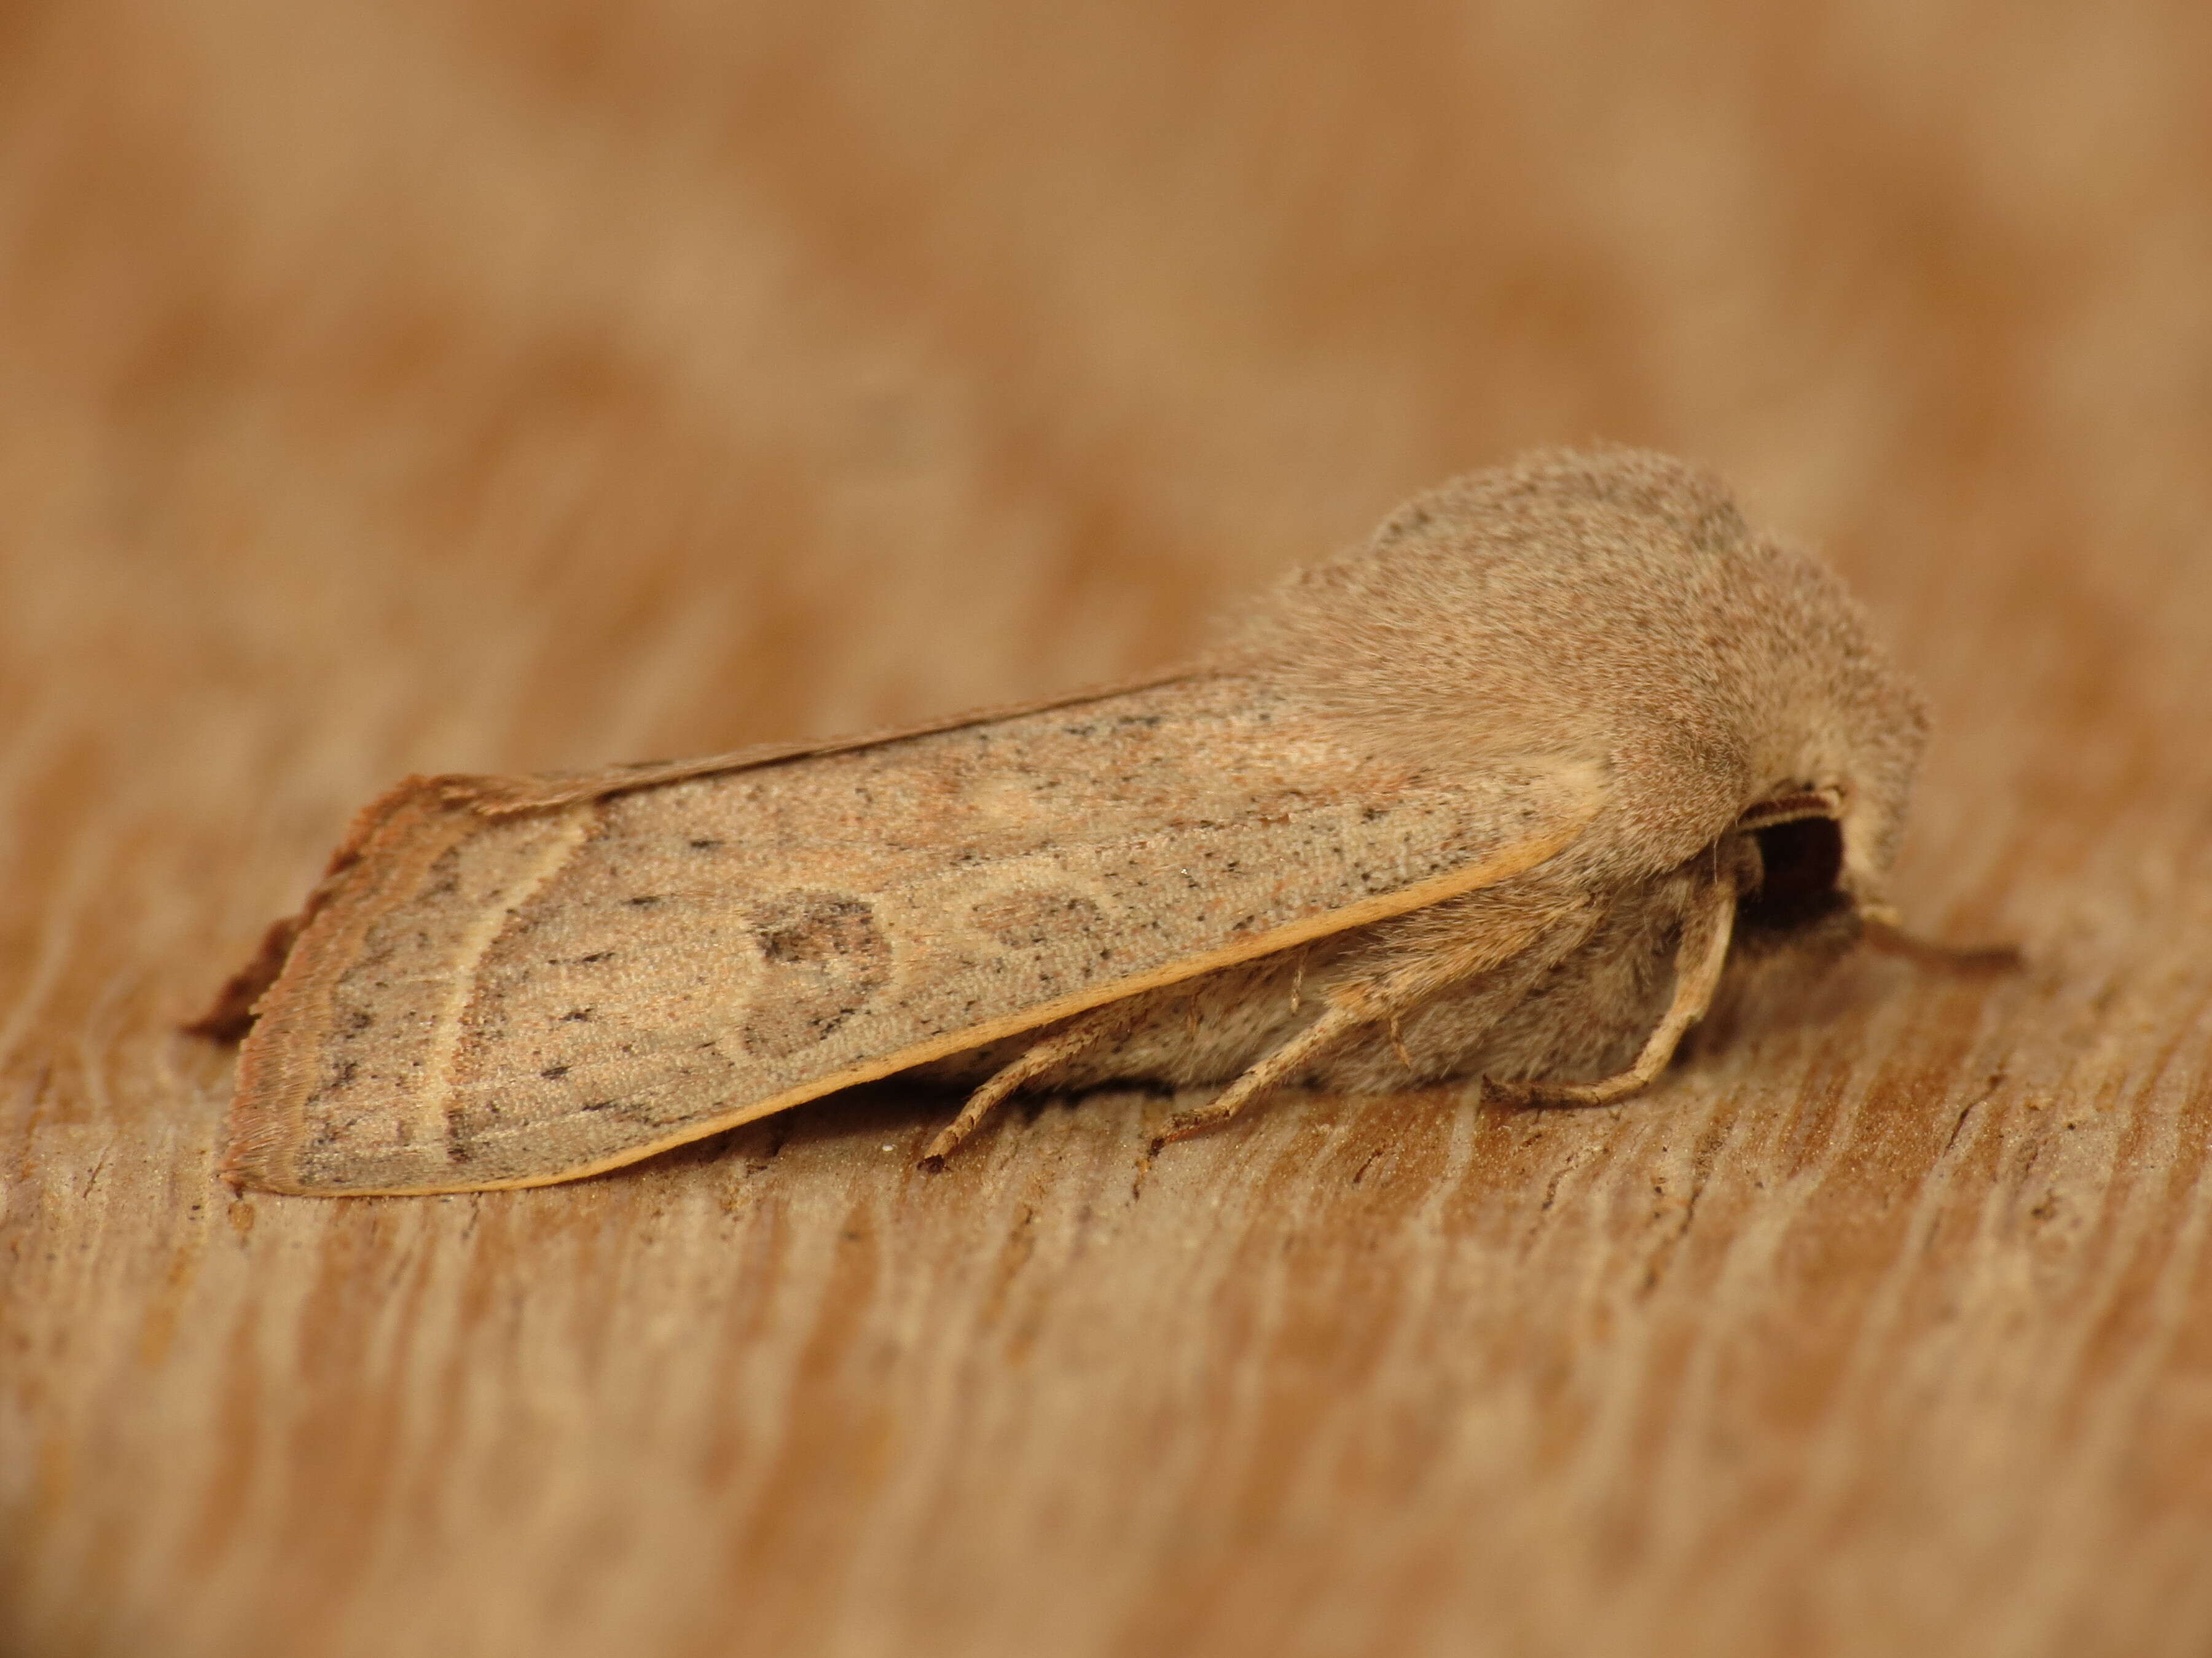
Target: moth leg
1698	959
1035	1061
1360	1005
1344	1015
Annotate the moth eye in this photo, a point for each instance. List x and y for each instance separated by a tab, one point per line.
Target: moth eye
1801	859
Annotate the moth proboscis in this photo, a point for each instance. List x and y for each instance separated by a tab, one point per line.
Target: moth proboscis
1513	791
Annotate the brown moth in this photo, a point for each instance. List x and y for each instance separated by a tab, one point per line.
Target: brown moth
1508	792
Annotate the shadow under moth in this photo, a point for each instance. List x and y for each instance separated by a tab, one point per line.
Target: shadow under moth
1509	792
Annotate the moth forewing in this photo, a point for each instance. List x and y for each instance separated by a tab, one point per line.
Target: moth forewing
509	999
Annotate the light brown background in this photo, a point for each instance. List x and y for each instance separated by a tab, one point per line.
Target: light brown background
496	385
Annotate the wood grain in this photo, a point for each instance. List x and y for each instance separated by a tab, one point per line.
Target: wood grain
503	387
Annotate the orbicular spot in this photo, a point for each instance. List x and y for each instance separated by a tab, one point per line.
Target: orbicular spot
1030	916
823	957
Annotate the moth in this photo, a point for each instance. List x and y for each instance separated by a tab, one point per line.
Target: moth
1510	792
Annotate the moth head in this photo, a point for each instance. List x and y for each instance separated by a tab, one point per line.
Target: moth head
1829	778
1829	770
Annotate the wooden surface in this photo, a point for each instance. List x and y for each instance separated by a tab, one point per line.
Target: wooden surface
494	386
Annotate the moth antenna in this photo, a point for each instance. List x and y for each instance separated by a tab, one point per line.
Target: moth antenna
1034	1061
1298	983
1880	931
1698	959
1398	1043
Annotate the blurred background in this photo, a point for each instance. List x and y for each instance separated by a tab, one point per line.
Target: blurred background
429	385
503	385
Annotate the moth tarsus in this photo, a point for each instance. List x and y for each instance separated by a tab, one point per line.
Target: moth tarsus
1509	1094
1513	791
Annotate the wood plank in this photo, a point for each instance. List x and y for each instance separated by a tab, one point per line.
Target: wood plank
509	388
